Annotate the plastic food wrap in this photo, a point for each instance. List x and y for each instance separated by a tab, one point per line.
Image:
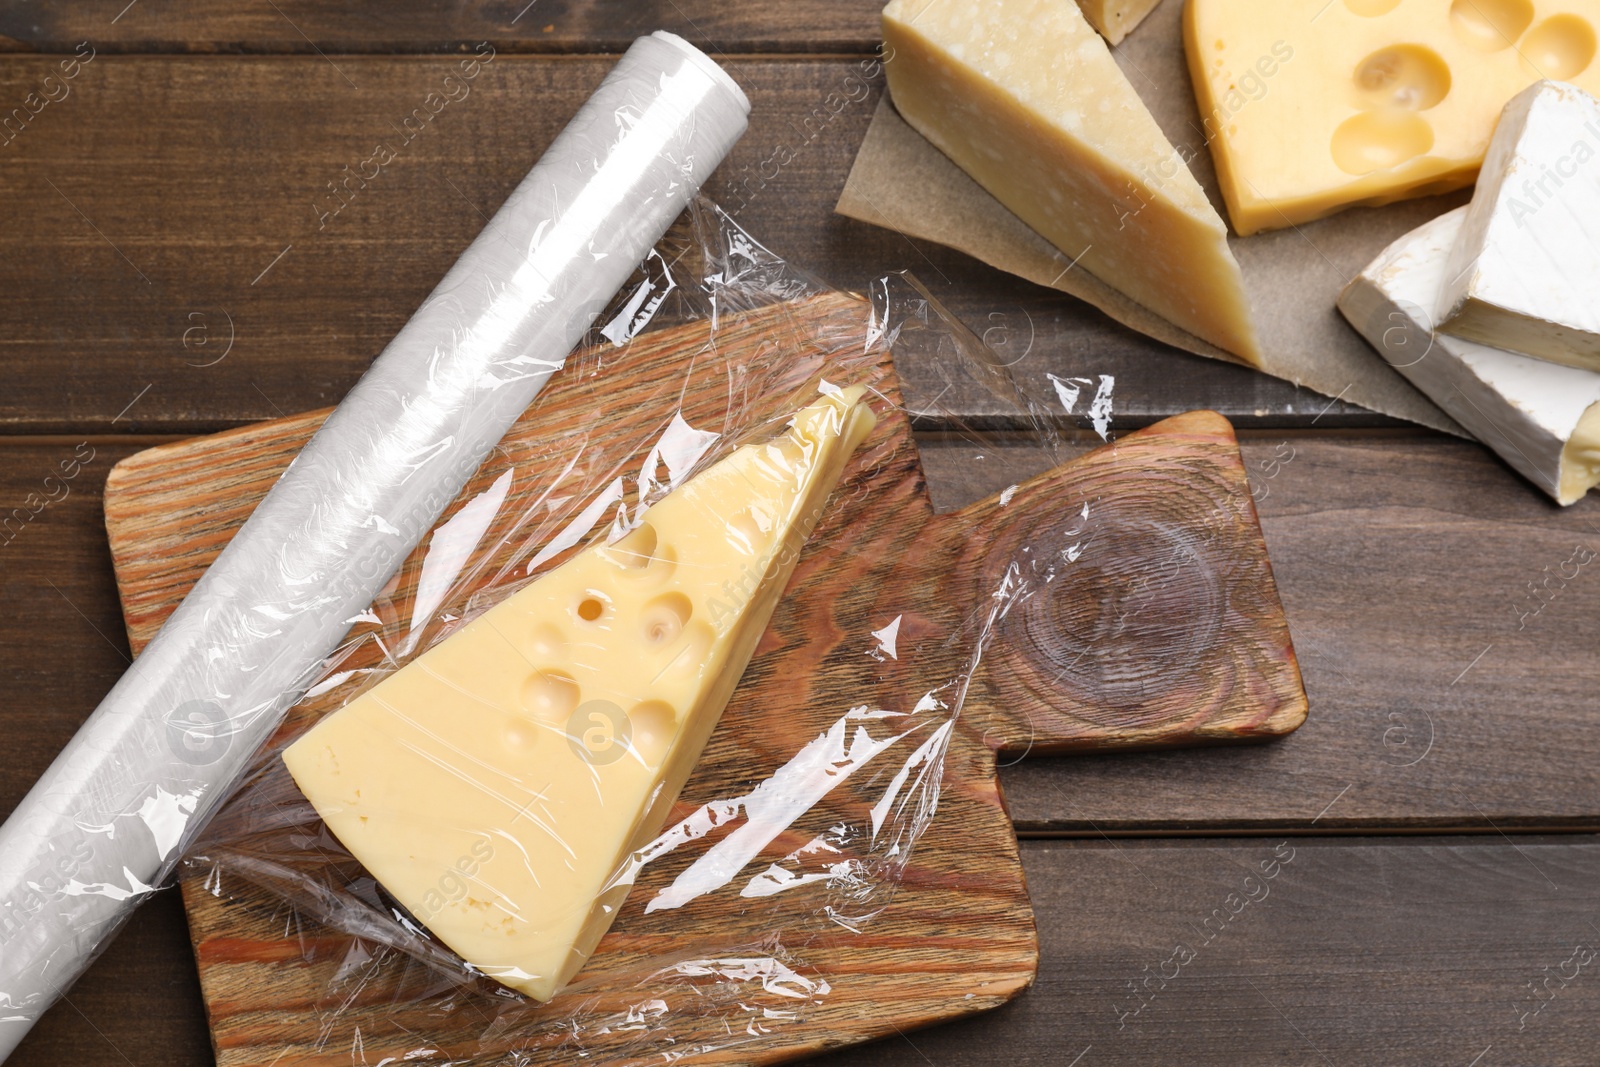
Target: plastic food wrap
111	815
805	810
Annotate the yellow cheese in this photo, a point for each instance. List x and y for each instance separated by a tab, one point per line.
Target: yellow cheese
1312	106
1115	19
1025	97
496	783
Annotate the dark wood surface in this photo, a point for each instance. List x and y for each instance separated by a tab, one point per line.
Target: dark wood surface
304	26
150	244
1400	555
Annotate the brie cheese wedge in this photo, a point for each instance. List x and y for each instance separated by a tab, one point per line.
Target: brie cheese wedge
1542	418
1525	272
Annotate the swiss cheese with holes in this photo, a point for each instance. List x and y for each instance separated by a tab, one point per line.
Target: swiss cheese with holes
1312	106
496	784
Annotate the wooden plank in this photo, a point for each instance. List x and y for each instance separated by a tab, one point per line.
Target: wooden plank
401	26
62	643
191	274
1396	943
1410	953
1399	559
1444	692
138	1003
1405	951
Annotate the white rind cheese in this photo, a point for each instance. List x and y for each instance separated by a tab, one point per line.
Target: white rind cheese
1542	418
1525	273
497	783
1025	97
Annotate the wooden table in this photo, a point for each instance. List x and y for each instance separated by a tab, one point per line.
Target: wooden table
167	268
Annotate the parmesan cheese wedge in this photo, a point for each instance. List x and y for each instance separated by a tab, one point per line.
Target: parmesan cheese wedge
1542	418
497	783
1115	19
1525	272
1024	96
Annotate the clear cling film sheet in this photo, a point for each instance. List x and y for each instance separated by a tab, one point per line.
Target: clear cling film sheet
110	817
634	757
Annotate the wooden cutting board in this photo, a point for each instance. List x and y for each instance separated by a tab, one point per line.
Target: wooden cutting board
1150	618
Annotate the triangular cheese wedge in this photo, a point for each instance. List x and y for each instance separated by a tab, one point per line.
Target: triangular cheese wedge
496	784
1024	96
1525	273
1115	19
1542	418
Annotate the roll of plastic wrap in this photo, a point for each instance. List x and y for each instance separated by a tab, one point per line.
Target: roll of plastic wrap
112	814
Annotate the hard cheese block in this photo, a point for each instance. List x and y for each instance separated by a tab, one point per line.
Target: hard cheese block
1311	106
1115	19
496	784
1525	272
1542	418
1025	97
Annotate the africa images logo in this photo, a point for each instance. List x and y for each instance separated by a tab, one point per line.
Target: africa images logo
198	732
599	732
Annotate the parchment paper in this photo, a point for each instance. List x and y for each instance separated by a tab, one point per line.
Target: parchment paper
1293	276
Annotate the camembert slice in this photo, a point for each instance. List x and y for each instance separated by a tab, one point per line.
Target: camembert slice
1542	418
1525	272
496	784
1024	96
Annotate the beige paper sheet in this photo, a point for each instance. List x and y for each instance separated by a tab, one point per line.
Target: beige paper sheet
902	182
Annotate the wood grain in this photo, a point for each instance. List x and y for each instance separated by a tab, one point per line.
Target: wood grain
304	26
1407	951
956	941
1404	562
1413	953
151	245
1426	541
1377	972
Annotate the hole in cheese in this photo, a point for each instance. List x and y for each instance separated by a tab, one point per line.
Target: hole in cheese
637	550
1560	47
550	695
591	607
546	642
686	662
1406	76
521	734
664	618
1490	25
653	724
747	530
1378	140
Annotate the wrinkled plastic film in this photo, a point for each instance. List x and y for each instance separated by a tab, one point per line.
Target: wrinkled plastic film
743	903
111	815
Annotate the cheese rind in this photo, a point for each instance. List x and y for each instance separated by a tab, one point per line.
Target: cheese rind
497	783
1313	106
1525	273
1024	96
1542	418
1115	19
